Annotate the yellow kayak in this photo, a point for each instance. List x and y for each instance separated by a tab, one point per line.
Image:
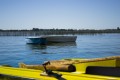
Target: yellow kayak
86	69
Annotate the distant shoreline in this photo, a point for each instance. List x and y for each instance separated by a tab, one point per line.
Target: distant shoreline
37	32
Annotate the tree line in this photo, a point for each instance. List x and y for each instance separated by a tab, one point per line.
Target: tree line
37	32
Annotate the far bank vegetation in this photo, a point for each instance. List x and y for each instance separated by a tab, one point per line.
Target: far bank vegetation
37	32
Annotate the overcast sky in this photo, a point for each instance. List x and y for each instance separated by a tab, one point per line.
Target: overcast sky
61	14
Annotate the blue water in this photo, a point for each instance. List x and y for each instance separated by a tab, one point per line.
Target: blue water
14	49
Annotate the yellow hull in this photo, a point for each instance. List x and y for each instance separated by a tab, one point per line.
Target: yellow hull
35	74
78	75
82	64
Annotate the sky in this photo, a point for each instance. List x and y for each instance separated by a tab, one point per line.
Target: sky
59	14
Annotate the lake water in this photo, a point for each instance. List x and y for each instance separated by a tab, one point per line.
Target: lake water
14	49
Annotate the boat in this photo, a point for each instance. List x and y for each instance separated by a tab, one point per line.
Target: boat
50	39
59	39
107	68
36	40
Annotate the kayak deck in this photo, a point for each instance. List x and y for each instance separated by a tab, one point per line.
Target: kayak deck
35	74
82	64
80	73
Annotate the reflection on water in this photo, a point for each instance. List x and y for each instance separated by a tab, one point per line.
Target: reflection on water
50	48
40	47
63	44
36	46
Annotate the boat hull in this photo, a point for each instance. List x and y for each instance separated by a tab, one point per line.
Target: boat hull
36	40
35	75
50	39
59	39
84	71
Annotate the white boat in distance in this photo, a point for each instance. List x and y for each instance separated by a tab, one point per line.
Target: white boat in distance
51	39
